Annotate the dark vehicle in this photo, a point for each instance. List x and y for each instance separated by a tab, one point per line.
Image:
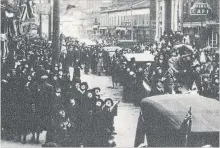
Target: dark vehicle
179	120
126	44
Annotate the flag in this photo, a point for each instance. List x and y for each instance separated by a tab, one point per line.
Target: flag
24	14
147	87
30	10
27	11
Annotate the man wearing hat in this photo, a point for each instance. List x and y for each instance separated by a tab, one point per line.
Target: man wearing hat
47	97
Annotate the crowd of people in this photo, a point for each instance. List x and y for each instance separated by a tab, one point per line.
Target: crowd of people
177	68
39	96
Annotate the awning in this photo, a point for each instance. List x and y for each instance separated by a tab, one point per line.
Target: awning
198	24
212	23
120	28
193	24
103	28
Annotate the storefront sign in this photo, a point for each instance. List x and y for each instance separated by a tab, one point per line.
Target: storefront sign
125	23
200	9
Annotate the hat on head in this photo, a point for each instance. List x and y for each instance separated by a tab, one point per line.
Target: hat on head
86	85
96	88
101	102
109	99
76	80
88	92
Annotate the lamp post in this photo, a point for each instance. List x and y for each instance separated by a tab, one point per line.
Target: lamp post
40	25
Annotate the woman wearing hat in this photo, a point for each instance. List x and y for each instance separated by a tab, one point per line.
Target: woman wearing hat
110	111
73	113
89	109
98	124
96	92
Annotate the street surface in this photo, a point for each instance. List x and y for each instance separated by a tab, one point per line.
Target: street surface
125	122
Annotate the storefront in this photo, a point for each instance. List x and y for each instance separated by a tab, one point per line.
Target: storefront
103	31
120	31
111	31
142	34
201	19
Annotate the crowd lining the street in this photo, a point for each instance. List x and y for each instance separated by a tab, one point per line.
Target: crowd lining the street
38	96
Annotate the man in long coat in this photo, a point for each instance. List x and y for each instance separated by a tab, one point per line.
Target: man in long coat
47	98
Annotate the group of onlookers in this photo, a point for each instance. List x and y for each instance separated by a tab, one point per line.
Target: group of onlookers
38	95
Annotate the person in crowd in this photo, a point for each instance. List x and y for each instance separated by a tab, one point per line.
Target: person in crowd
47	95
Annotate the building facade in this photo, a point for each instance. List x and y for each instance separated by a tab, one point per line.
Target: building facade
122	21
203	26
197	18
163	17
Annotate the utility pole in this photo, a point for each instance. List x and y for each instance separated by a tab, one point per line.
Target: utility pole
150	27
49	22
40	25
56	31
132	33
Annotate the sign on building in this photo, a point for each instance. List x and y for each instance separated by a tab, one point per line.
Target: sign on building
125	23
200	9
